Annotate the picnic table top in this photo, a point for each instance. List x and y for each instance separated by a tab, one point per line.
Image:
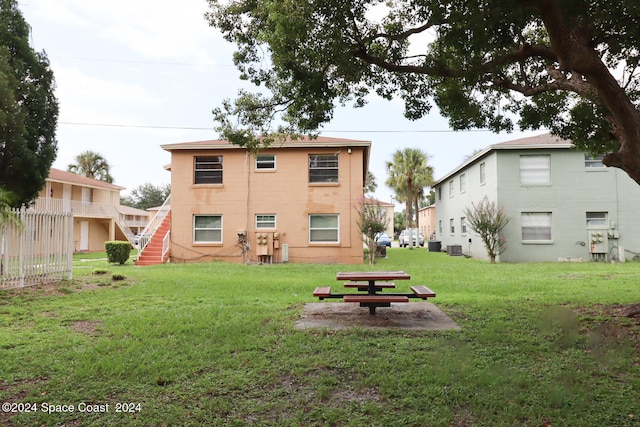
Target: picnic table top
372	275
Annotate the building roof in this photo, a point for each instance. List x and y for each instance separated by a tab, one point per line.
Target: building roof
305	142
128	210
544	141
57	175
371	201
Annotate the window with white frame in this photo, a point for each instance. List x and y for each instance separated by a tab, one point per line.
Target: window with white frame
265	162
591	161
463	225
324	228
536	226
452	227
597	219
439	226
463	183
207	228
323	168
207	170
535	169
451	187
439	193
483	173
265	221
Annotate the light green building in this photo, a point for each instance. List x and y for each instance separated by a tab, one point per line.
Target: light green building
562	204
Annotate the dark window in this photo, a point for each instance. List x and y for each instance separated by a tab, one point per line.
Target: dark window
208	170
323	168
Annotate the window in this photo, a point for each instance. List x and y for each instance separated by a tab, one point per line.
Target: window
452	227
593	161
323	168
207	228
324	228
451	186
536	226
597	219
208	170
483	173
535	170
265	162
463	225
463	183
440	227
265	221
439	193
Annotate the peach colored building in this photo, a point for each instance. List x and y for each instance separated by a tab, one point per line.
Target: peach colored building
294	202
427	221
97	214
389	211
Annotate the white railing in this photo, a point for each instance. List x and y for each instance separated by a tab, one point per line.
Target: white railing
39	252
166	245
156	221
89	209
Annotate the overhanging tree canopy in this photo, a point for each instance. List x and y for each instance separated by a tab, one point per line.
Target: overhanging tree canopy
28	110
567	65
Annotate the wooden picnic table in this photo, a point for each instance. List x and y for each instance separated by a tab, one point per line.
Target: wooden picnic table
374	282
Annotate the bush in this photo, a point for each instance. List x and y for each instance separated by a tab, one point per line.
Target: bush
117	251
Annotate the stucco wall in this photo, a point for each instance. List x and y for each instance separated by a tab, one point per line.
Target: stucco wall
285	192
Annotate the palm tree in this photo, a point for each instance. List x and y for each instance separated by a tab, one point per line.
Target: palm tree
91	165
409	174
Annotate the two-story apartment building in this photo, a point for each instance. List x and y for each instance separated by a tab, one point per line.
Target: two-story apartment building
427	220
293	202
97	213
562	204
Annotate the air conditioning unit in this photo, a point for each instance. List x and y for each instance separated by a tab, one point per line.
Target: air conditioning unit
454	250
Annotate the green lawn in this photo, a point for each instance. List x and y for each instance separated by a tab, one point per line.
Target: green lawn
214	344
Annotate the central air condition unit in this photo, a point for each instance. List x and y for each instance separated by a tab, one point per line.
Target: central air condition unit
454	250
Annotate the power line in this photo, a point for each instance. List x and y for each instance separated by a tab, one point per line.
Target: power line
321	131
128	61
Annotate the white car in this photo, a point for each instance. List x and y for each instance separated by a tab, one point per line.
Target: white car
418	238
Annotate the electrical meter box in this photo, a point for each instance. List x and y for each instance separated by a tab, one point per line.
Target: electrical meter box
598	241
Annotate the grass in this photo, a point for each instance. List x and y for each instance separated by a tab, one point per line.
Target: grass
214	344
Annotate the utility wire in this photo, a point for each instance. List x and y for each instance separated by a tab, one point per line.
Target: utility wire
320	131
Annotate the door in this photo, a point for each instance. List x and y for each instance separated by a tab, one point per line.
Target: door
84	235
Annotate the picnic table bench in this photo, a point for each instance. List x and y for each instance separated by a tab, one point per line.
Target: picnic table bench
373	282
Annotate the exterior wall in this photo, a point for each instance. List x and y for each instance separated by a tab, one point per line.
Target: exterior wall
574	190
451	205
285	192
427	221
64	192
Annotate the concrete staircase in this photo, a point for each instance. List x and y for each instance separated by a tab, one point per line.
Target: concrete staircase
152	253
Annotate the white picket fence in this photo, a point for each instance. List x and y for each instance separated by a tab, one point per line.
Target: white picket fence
39	252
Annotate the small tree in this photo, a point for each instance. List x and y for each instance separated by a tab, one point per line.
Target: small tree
372	219
488	219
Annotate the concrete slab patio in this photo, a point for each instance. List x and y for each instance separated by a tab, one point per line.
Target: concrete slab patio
413	316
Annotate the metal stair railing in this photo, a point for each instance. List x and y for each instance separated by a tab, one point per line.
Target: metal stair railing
154	224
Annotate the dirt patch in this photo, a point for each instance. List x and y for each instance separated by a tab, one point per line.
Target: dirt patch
88	327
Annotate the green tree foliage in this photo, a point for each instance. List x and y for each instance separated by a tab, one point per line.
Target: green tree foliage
399	221
370	184
570	66
372	219
488	219
409	174
147	196
28	110
92	165
7	215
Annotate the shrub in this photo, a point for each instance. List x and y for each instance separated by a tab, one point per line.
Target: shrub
117	251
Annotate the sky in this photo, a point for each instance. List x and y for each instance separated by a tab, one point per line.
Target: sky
133	75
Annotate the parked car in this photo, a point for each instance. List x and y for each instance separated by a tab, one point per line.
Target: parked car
418	238
383	239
